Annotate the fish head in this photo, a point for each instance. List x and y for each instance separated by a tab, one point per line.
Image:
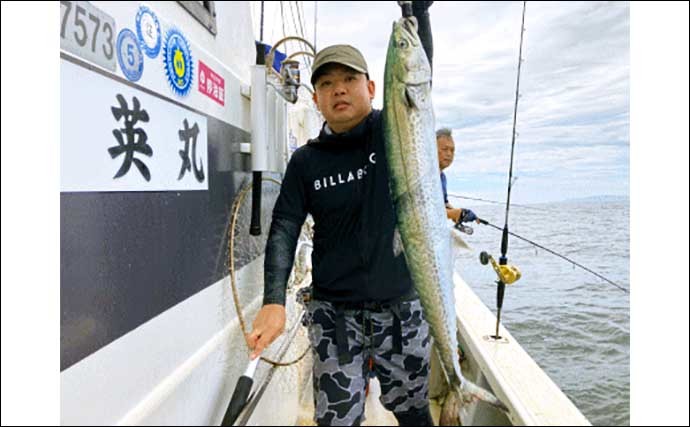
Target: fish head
407	60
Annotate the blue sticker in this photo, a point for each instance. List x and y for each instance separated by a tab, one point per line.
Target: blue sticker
177	58
148	31
129	55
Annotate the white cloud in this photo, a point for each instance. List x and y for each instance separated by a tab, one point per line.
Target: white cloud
573	116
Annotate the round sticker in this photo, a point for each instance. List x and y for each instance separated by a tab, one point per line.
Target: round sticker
177	58
129	55
148	31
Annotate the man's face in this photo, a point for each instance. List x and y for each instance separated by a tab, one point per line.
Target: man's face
343	96
446	151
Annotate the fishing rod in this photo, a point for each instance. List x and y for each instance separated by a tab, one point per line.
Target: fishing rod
458	196
481	221
507	274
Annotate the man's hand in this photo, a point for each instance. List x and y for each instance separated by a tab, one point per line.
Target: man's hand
453	214
461	215
268	325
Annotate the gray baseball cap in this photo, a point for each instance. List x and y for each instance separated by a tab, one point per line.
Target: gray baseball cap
340	54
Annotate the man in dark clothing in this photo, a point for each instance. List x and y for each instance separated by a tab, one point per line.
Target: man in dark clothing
363	304
446	154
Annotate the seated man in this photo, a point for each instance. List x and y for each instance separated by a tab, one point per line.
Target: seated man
446	153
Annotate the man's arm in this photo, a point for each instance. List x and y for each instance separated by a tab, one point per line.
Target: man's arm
280	255
289	214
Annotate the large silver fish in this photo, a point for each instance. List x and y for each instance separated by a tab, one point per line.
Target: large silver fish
421	216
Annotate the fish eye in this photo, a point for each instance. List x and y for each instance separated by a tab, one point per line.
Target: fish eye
402	44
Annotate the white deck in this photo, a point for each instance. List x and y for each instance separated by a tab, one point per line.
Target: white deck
514	377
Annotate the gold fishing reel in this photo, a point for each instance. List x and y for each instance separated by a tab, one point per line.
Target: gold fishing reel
507	274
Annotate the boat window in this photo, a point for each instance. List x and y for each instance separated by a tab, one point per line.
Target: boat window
204	12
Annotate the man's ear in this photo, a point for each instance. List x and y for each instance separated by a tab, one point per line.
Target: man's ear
315	99
371	87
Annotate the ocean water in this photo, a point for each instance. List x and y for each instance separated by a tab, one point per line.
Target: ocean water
573	324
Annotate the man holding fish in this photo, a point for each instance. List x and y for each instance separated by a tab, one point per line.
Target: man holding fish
382	285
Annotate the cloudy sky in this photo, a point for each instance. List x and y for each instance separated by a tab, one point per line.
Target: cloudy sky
573	113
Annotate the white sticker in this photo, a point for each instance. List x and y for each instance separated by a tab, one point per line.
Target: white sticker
149	31
88	33
117	138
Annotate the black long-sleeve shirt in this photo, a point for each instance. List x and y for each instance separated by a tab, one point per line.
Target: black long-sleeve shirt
342	181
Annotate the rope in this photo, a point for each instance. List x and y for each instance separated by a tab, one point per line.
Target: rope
231	267
457	196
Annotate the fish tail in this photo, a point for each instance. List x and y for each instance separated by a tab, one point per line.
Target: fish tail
458	241
467	393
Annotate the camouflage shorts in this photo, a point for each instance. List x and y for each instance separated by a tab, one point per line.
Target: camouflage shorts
339	388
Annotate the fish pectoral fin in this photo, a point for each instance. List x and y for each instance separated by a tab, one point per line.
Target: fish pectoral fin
416	96
409	98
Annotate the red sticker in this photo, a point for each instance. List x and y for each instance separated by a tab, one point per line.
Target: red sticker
211	84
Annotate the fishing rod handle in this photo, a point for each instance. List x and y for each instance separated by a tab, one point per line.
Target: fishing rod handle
238	400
